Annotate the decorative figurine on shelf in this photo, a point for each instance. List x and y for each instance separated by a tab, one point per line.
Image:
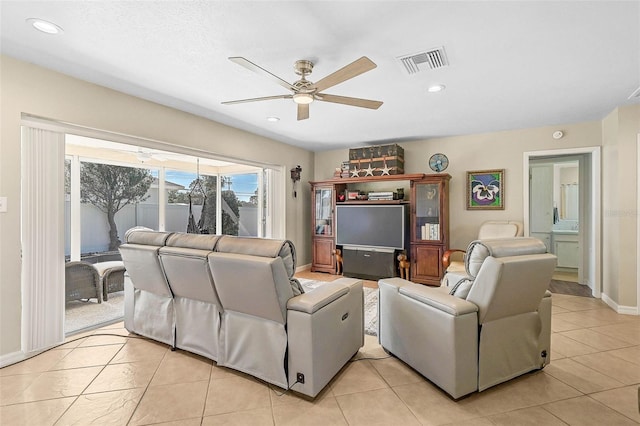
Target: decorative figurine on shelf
403	266
338	254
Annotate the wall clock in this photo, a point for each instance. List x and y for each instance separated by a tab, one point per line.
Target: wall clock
438	162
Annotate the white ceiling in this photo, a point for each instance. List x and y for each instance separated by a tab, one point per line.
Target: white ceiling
512	64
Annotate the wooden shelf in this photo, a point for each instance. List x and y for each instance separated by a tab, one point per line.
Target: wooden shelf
372	202
413	176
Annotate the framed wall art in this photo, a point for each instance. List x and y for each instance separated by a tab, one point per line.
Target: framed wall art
485	190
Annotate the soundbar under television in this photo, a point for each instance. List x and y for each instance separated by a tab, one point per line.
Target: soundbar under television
376	226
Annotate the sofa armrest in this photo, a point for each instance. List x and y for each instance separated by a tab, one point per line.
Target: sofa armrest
440	300
325	328
317	298
432	296
432	331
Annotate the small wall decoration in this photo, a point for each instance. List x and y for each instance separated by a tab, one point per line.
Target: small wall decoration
485	190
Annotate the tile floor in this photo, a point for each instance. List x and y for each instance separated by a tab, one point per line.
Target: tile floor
593	379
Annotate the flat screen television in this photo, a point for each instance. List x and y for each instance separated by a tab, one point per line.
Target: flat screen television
378	226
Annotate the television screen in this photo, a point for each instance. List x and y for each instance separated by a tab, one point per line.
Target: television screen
382	226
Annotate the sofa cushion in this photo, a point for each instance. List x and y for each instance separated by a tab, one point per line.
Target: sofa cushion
479	250
500	229
146	236
461	288
193	241
264	247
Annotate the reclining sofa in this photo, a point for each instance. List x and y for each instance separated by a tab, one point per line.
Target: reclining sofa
482	330
234	300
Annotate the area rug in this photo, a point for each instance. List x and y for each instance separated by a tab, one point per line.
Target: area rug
370	304
570	288
80	316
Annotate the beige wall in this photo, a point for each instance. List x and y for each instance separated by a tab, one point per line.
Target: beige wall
26	88
620	208
610	198
504	150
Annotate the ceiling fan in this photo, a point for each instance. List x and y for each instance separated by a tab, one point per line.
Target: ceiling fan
305	91
146	155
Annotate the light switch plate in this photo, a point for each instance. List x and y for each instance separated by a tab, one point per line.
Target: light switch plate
3	204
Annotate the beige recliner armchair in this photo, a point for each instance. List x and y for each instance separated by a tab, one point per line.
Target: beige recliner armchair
463	343
269	329
148	306
197	308
453	259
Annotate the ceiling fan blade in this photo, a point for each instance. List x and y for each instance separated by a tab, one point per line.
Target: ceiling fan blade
266	98
363	103
303	111
354	69
259	70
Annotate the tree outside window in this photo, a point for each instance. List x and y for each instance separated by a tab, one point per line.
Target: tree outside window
111	188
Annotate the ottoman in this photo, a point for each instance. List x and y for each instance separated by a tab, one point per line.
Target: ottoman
111	275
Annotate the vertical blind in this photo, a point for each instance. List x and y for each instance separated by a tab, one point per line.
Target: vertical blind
42	233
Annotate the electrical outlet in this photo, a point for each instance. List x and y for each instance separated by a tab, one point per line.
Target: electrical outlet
300	378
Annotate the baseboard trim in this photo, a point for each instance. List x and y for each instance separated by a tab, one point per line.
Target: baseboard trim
12	358
623	310
303	267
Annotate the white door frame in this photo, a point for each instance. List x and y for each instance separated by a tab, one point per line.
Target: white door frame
594	271
638	229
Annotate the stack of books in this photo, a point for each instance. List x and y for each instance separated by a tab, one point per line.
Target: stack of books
430	231
345	169
381	196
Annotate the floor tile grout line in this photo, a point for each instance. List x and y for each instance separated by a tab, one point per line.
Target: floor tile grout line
577	341
608	407
612	408
146	388
206	394
611	377
87	386
583	393
542	406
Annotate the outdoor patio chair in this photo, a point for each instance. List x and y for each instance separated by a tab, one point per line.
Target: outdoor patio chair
82	282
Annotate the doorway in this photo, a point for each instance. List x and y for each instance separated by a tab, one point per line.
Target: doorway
562	208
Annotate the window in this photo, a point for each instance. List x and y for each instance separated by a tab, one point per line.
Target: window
232	198
240	212
112	198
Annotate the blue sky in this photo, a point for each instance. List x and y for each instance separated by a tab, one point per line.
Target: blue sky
243	185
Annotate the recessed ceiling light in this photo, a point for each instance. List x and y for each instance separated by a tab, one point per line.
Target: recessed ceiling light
45	26
436	88
273	119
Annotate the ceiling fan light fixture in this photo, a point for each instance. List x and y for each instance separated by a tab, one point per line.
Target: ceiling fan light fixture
143	156
303	98
436	88
45	26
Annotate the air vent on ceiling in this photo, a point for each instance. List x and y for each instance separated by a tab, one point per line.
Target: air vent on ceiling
635	94
431	59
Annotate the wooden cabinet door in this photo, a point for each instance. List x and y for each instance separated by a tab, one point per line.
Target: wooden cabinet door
426	265
323	259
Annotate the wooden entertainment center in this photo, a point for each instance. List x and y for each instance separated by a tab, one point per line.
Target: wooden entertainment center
428	224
